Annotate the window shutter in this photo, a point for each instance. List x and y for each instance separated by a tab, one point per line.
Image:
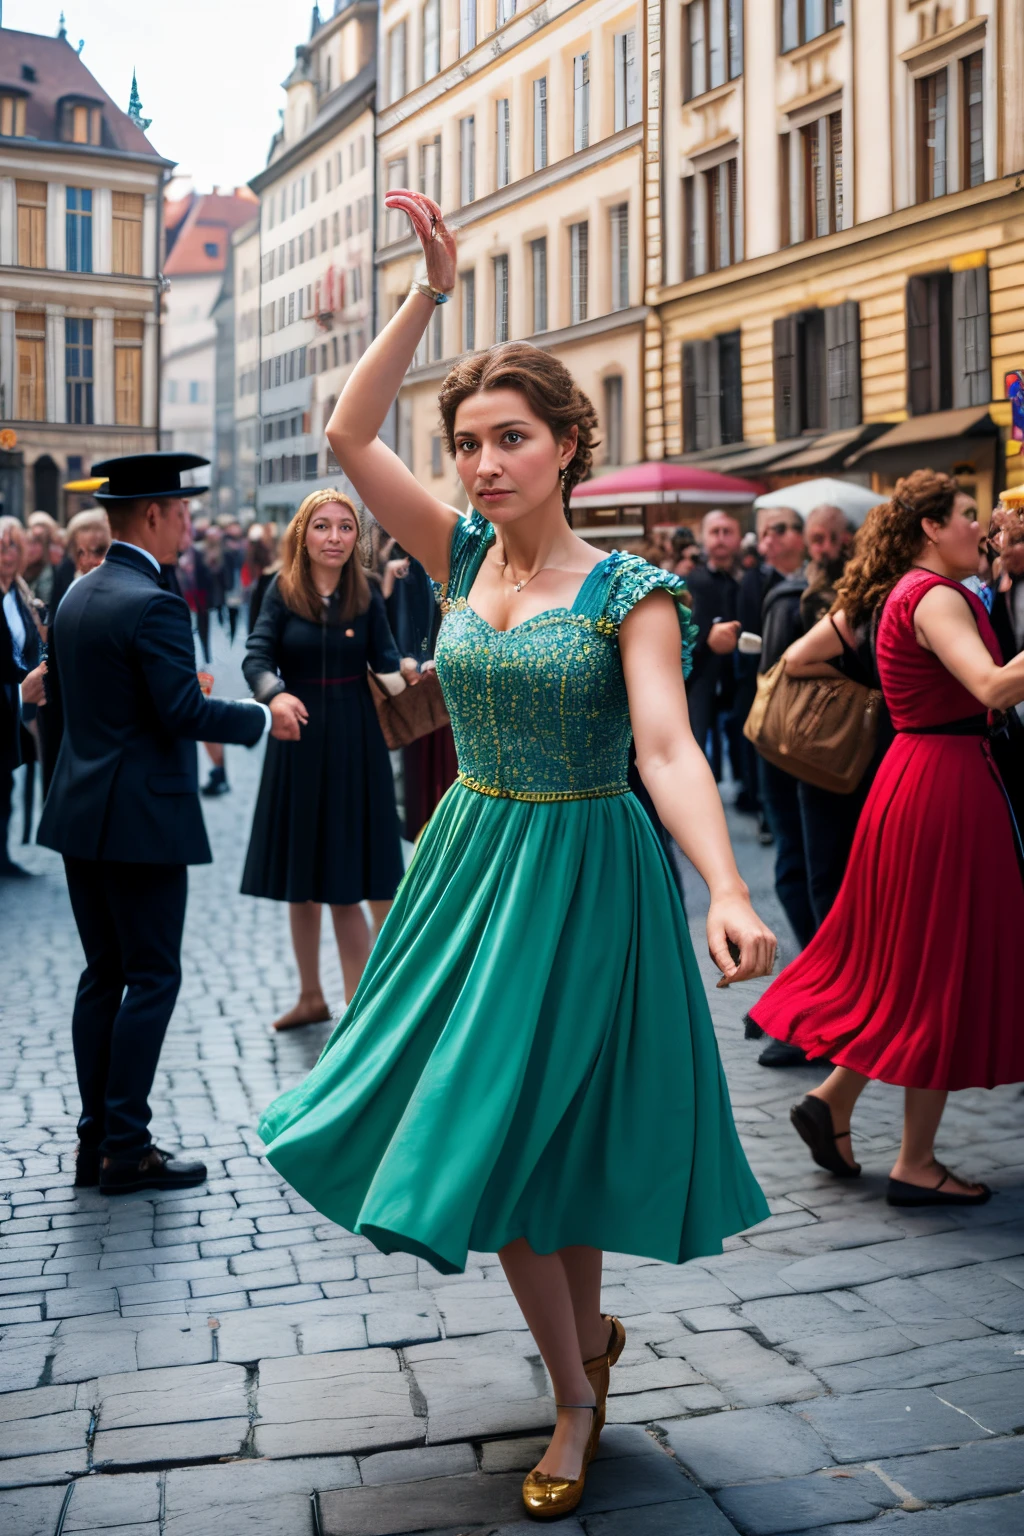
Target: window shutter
690	395
919	352
632	80
731	387
972	372
811	373
620	81
784	375
842	365
713	394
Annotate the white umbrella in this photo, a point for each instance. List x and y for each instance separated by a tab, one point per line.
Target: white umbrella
805	495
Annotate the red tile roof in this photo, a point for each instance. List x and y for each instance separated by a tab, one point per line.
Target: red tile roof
203	242
59	72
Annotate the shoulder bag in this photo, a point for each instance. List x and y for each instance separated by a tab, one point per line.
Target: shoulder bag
822	730
410	713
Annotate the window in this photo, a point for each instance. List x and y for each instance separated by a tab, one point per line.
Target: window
505	10
619	222
396	62
80	123
127	234
803	20
335	228
467	159
468	290
540	123
627	81
362	213
172	391
128	372
431	33
503	173
313	187
972	151
581	101
12	117
816	363
30	343
467	26
712	392
78	225
578	244
436	458
430	168
712	45
436	334
539	266
500	299
932	92
822	144
948	346
348	222
31	223
613	419
723	246
395	222
78	371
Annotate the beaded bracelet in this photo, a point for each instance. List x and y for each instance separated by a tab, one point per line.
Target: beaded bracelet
429	293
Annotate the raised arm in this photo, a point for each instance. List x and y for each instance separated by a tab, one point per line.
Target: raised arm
813	653
421	523
945	625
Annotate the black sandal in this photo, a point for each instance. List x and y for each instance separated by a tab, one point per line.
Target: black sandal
812	1120
902	1193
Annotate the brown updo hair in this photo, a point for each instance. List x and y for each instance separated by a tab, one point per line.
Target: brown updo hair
890	540
295	577
548	387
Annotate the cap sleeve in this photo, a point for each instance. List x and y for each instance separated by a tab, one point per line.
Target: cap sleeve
633	579
470	536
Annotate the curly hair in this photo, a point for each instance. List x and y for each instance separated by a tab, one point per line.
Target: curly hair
889	542
295	579
548	387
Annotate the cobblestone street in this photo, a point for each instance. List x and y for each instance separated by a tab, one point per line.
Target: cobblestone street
225	1361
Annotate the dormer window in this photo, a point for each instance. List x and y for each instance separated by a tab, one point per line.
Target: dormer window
12	114
80	121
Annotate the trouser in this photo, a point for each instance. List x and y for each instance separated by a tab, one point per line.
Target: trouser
746	690
130	919
782	807
828	822
6	801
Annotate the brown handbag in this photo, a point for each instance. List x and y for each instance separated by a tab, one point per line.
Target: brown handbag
822	730
405	717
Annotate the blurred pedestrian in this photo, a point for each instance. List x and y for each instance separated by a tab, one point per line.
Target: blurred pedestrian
123	811
45	552
685	552
86	545
910	979
714	590
234	558
258	567
22	670
325	829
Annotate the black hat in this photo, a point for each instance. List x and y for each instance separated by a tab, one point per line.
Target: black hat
148	475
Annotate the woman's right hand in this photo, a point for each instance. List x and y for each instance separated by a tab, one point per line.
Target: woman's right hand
288	715
32	688
436	239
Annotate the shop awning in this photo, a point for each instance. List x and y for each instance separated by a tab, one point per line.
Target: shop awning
936	441
830	452
663	484
764	456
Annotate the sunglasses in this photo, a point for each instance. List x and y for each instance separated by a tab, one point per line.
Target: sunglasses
780	528
96	550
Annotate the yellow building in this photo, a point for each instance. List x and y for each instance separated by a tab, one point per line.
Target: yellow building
524	121
835	218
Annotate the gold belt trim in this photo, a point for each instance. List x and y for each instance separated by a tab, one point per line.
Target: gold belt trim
541	795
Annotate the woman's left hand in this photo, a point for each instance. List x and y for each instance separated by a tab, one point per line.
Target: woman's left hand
410	670
732	918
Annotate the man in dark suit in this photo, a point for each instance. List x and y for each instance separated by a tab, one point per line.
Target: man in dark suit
123	809
714	591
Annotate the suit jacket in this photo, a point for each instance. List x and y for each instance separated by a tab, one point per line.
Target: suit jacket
11	676
715	595
125	786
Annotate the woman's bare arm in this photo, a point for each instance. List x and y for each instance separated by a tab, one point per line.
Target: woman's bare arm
811	654
682	786
421	522
945	625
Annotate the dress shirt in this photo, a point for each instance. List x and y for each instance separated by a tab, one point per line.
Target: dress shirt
16	624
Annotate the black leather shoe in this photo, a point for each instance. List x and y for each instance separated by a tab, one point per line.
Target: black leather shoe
87	1167
751	1031
155	1170
216	784
778	1054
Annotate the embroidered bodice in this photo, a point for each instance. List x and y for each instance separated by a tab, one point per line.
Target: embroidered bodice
539	712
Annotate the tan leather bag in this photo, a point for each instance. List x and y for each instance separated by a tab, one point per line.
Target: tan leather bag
822	730
414	712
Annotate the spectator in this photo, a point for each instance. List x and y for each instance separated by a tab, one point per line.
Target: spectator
45	552
325	830
22	670
258	567
234	557
88	539
685	552
829	545
715	592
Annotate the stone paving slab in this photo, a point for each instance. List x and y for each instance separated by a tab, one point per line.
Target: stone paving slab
207	1362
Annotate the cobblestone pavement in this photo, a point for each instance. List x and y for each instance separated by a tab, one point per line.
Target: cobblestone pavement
227	1361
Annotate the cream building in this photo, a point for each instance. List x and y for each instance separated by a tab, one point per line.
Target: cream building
242	378
835	211
524	121
315	256
80	197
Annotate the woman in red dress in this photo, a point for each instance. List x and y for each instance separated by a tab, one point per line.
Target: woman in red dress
908	979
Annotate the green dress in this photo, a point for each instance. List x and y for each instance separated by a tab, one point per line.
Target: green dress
530	1052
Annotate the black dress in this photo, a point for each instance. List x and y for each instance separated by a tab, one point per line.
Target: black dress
325	827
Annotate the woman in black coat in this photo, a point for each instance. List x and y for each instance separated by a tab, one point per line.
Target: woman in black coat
325	829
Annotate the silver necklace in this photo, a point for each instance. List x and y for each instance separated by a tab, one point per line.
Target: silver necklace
525	582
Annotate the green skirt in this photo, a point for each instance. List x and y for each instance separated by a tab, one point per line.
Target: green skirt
529	1053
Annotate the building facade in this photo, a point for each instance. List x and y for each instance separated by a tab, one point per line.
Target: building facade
80	198
315	258
238	374
525	122
835	221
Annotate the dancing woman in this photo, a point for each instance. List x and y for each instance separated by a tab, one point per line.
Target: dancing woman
508	1077
908	979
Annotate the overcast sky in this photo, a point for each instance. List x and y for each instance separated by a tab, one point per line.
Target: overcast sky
209	71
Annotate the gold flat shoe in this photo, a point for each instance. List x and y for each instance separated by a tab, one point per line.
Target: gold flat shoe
552	1498
598	1370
